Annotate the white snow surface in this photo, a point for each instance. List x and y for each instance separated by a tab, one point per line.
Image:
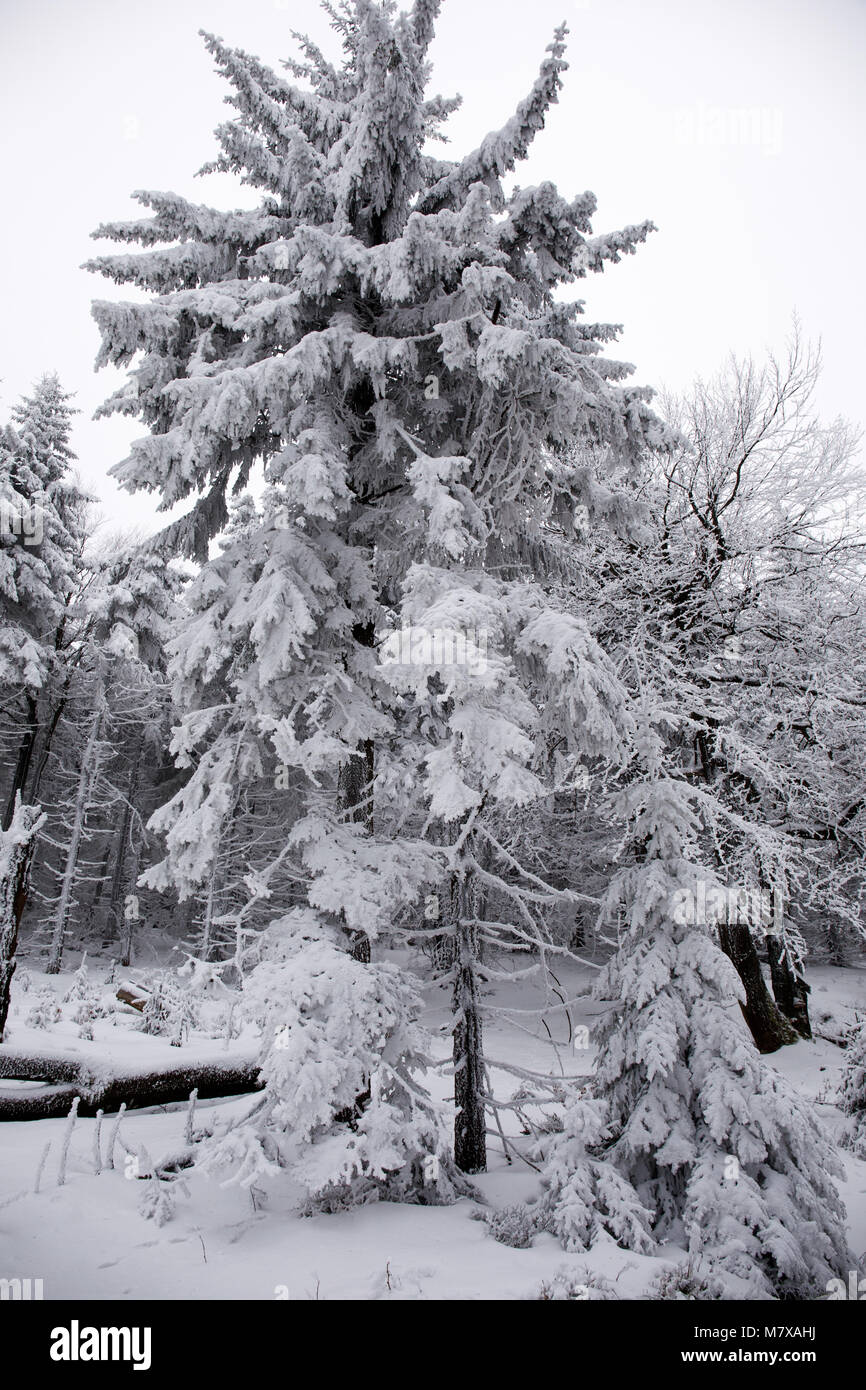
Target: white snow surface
88	1239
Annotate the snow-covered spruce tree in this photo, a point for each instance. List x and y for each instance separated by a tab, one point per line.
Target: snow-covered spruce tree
43	528
336	1027
237	865
474	740
382	333
852	1090
709	1139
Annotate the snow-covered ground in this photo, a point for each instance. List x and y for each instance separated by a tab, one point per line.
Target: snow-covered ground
88	1239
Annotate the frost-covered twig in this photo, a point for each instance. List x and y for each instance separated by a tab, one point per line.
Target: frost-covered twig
40	1167
67	1136
190	1116
97	1147
115	1130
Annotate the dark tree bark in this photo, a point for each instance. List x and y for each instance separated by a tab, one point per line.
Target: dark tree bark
66	1079
837	946
443	954
470	1136
789	988
355	792
45	749
769	1027
470	1128
22	764
20	837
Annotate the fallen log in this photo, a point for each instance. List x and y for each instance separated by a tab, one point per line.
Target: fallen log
67	1077
39	1103
132	995
40	1066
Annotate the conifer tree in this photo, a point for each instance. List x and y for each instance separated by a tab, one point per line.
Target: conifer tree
703	1137
383	334
44	527
852	1090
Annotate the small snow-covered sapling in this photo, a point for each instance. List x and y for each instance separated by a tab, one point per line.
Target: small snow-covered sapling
67	1136
115	1130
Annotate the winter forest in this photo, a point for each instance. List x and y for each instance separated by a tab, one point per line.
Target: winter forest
432	862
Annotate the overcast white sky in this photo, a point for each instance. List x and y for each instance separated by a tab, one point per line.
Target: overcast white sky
736	125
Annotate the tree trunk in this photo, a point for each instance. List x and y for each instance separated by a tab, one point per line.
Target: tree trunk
128	919
67	1078
99	886
47	738
355	793
789	988
22	764
85	779
206	949
123	920
769	1028
443	953
470	1136
16	852
837	947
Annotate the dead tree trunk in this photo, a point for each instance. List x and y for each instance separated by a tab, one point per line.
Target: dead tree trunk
16	852
129	916
124	919
206	948
101	878
769	1028
82	798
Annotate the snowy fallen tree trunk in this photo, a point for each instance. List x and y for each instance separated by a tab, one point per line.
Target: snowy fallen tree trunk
66	1078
